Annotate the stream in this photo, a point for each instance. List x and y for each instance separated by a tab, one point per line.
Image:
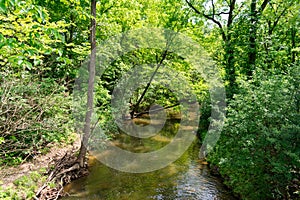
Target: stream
187	178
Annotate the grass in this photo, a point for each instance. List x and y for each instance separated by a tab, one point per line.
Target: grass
24	187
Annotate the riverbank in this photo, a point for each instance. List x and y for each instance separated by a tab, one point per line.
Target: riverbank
25	180
186	178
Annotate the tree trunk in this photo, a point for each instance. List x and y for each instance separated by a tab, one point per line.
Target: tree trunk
230	68
228	46
229	54
136	106
90	97
293	40
254	20
252	39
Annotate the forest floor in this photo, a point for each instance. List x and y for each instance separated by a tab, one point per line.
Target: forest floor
24	180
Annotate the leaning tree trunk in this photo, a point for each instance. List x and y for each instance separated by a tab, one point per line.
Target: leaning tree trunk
136	106
90	97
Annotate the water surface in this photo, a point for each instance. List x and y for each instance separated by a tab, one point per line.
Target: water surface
187	178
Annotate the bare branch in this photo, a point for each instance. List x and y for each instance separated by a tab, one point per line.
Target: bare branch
210	17
218	14
195	9
213	6
155	110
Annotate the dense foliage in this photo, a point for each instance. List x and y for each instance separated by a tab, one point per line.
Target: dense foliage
254	43
35	102
259	150
33	114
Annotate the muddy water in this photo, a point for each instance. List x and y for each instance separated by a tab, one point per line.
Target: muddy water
187	178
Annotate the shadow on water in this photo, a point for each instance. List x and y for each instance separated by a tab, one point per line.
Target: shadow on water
187	178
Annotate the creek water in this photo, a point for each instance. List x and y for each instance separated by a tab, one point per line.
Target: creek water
187	178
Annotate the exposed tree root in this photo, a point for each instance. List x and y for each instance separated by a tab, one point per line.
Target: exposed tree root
63	172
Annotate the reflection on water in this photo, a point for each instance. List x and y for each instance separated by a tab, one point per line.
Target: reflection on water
186	179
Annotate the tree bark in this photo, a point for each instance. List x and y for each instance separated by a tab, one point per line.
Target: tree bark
136	106
90	97
252	39
229	51
254	20
226	37
293	41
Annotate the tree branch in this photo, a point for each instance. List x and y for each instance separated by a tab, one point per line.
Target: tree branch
230	16
279	17
210	17
277	20
135	107
263	6
239	10
213	6
156	110
220	13
195	9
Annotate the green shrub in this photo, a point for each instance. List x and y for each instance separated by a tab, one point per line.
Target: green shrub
205	112
258	152
24	187
33	113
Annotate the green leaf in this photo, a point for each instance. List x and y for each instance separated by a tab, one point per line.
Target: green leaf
3	6
2	140
28	65
60	52
37	62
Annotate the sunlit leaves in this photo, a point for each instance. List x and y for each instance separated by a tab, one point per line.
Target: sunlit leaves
26	35
261	136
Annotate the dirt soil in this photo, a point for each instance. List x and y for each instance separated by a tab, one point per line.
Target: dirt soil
9	174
